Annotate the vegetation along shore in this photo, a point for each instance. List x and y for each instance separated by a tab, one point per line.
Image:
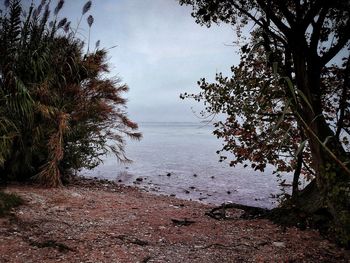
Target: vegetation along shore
285	104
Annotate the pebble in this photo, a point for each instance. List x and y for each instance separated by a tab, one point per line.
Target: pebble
74	194
279	244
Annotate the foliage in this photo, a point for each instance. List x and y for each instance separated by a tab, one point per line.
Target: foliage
59	110
9	201
288	101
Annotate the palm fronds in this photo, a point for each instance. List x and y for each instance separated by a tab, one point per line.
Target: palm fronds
57	111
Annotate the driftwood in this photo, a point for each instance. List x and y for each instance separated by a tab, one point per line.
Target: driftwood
182	222
250	212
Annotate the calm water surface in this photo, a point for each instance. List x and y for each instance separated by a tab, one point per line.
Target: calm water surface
180	159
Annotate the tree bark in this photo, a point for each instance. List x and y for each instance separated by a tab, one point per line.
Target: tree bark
297	175
330	191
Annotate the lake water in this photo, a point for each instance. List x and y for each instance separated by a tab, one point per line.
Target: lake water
180	159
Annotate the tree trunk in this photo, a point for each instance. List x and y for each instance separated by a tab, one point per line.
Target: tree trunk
333	186
326	201
297	175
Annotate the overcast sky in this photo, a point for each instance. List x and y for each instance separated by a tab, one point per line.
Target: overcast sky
161	52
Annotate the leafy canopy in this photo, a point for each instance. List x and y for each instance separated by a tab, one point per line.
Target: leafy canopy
263	100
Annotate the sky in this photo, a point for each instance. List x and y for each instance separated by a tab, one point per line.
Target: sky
160	52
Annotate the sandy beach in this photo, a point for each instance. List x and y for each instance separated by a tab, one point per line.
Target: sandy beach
99	221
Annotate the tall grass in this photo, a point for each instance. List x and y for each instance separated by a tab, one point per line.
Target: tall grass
58	110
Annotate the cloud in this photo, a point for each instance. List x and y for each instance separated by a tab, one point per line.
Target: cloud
161	52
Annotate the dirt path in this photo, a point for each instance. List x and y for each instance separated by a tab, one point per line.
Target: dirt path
100	222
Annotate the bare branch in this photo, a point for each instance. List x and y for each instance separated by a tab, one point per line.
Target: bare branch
258	22
342	103
334	50
285	11
277	21
315	37
313	11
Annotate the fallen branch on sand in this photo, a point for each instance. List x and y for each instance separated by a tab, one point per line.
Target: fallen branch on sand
250	212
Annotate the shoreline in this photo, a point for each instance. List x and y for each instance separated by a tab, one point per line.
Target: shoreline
205	188
141	187
100	221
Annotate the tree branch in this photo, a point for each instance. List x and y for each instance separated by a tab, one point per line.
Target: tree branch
342	103
316	32
271	14
298	10
258	22
308	168
334	50
313	11
285	11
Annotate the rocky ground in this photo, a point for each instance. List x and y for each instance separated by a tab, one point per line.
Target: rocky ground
90	221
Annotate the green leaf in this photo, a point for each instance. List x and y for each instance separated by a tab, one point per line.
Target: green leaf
300	148
291	88
284	138
274	68
281	118
327	139
317	116
305	99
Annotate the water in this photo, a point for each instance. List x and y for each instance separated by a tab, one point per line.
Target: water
180	159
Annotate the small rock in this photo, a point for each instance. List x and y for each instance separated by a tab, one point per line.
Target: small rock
139	179
187	192
228	192
279	244
168	174
192	187
74	194
194	175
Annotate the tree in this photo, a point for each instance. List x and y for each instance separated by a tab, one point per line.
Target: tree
59	111
287	102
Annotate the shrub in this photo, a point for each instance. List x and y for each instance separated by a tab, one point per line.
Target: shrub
9	201
59	111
